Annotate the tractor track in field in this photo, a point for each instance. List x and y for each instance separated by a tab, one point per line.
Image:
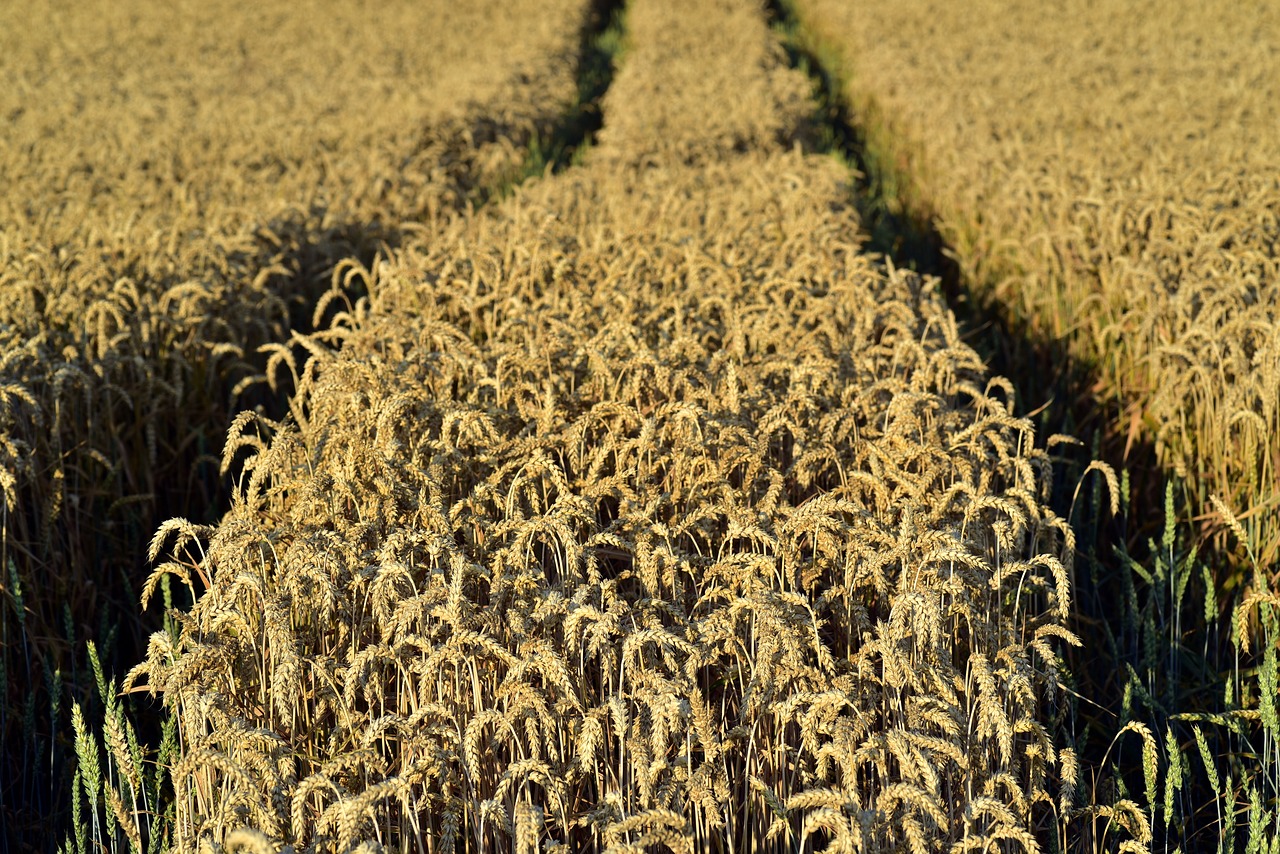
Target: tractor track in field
1059	392
633	503
658	427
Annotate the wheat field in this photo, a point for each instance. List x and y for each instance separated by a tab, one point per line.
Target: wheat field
515	440
1106	172
179	181
1105	177
615	516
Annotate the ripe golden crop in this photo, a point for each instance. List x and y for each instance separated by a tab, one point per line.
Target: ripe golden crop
179	180
638	509
1107	173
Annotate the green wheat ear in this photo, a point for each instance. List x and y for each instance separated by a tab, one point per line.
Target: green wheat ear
1173	775
89	769
77	816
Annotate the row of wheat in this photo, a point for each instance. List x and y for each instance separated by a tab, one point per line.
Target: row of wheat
178	181
1106	174
639	510
1109	176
